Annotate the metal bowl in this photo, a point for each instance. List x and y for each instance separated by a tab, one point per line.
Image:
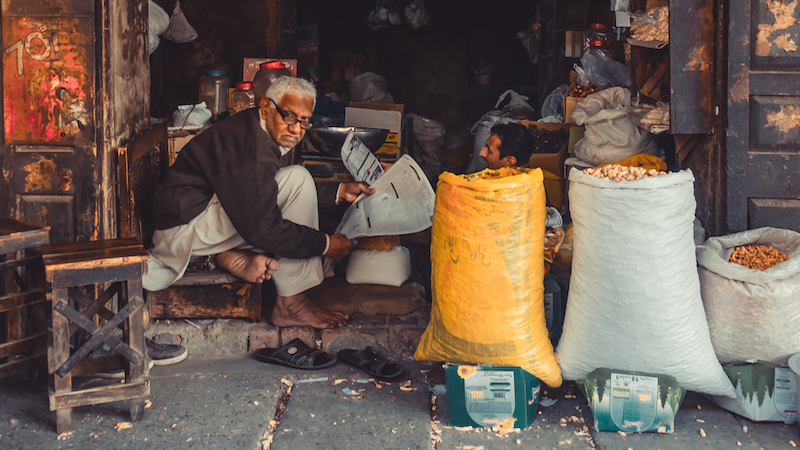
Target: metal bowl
329	140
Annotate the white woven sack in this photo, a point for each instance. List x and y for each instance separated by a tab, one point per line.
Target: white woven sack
752	314
634	295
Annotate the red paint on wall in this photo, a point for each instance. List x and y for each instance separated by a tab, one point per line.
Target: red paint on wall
48	80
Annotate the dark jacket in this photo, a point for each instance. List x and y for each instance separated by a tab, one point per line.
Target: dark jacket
237	160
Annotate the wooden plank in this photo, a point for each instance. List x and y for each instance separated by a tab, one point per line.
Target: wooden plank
11	244
88	251
57	353
21	299
34	362
9	226
92	307
152	137
691	72
207	277
33	344
136	372
123	194
102	394
200	302
115	270
99	334
104	364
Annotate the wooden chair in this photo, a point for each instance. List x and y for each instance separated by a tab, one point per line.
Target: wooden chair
120	262
23	313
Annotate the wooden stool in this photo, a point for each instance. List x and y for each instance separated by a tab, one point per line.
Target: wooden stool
120	262
23	314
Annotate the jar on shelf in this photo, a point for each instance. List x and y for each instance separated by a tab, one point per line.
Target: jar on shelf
214	87
243	97
269	72
602	47
597	32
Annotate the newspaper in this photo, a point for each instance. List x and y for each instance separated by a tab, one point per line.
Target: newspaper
360	162
402	204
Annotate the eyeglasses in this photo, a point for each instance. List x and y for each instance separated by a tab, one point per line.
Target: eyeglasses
291	120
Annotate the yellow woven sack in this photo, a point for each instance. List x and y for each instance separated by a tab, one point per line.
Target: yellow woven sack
487	273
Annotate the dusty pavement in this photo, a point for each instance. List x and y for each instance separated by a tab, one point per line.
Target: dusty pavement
240	403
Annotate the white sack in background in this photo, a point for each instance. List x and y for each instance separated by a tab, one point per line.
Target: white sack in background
390	268
369	87
752	314
634	295
157	23
610	136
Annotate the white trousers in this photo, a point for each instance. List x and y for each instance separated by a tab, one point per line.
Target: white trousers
212	232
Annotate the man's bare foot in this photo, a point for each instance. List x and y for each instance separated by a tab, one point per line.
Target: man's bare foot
249	266
297	310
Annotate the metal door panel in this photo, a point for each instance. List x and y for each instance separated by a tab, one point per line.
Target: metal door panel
763	134
774	124
50	7
765	212
44	173
58	211
48	79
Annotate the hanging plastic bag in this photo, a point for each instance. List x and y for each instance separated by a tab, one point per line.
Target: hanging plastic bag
490	223
157	23
369	87
610	136
383	13
531	37
603	72
179	29
752	314
634	295
416	14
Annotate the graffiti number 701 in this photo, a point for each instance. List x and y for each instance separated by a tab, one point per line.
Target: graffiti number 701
50	45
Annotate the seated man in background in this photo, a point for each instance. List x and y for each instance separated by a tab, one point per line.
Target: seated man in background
233	193
509	145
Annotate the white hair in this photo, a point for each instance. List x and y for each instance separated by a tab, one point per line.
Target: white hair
288	85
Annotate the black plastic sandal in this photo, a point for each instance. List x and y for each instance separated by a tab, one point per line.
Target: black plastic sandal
296	354
370	362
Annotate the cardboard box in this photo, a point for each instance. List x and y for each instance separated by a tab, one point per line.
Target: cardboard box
574	44
569	103
773	397
552	307
250	67
633	402
387	116
551	162
486	396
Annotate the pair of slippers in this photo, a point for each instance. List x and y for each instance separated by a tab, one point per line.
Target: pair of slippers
298	355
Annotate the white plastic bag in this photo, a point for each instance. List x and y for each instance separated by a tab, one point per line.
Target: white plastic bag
416	14
179	29
603	72
752	314
157	24
191	115
634	295
610	136
429	132
390	268
517	106
369	87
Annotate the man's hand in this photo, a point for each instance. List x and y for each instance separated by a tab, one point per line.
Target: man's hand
351	190
339	247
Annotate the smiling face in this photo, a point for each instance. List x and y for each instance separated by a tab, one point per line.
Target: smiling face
491	154
300	107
